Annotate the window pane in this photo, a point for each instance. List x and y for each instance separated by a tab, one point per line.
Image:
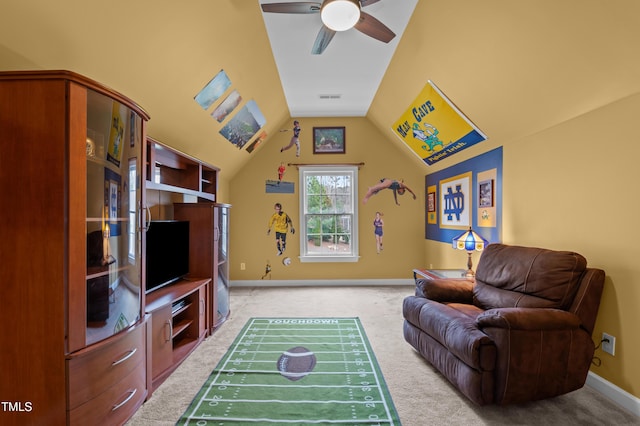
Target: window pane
329	234
328	194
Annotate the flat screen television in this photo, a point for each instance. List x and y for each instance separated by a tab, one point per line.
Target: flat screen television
167	252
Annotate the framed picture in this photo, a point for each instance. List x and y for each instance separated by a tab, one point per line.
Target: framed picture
485	193
431	202
328	140
451	205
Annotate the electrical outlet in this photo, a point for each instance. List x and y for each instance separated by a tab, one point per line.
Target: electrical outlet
608	344
243	266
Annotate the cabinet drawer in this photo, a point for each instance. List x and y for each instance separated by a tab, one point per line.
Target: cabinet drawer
116	405
94	371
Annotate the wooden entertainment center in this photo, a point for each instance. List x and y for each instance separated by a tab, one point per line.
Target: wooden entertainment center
86	343
173	177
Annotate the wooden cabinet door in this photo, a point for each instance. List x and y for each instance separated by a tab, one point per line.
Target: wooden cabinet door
203	247
161	344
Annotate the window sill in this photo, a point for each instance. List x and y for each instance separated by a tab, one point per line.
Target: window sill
328	259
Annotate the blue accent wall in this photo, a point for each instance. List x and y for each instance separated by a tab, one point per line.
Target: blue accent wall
475	166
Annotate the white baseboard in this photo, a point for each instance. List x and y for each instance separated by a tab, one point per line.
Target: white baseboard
322	283
621	397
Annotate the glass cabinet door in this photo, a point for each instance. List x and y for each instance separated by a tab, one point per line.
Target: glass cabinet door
114	151
222	293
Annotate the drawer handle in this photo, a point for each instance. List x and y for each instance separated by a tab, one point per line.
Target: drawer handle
131	393
124	358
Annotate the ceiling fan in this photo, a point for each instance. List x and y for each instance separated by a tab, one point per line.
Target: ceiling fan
336	15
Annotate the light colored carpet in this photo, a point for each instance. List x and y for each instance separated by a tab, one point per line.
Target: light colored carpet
421	395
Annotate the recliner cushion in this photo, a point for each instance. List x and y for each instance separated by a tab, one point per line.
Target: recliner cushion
454	327
513	276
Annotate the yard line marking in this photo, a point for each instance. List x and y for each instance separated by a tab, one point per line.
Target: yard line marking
251	343
276	372
249	385
330	332
281	401
245	351
270	361
267	420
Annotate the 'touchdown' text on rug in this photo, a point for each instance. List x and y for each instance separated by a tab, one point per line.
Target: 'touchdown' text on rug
295	371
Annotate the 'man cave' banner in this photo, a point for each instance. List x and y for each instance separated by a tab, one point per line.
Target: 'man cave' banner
434	128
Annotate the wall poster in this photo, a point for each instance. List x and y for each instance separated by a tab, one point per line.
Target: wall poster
434	128
213	90
468	194
244	125
227	106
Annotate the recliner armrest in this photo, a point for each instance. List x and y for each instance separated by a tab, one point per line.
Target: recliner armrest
528	319
445	290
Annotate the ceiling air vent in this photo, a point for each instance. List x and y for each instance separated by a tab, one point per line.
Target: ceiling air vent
330	96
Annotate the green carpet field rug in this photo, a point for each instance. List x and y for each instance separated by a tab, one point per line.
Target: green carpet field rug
295	371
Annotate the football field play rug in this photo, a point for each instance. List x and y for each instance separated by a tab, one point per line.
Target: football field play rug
295	371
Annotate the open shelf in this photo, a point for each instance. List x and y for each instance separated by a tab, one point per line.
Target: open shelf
173	171
180	327
183	348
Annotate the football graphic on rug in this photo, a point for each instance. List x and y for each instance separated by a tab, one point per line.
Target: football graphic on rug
296	363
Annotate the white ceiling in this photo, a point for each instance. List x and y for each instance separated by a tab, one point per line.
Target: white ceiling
342	81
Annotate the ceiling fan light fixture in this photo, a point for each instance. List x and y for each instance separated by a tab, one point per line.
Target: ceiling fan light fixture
340	15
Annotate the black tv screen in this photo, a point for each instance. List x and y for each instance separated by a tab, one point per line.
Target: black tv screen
167	252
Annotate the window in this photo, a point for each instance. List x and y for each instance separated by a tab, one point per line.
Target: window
328	214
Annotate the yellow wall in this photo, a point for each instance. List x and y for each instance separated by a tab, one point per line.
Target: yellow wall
252	207
574	187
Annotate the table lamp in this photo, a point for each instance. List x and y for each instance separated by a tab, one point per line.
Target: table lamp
469	240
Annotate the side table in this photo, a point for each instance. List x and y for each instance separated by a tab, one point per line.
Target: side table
432	274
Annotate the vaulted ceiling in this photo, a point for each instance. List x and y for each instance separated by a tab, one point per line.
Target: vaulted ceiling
513	67
343	80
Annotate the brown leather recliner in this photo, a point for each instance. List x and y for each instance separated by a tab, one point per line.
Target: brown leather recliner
520	332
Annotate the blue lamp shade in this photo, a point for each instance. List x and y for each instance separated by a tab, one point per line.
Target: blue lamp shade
469	241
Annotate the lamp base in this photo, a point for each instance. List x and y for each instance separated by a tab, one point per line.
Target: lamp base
470	273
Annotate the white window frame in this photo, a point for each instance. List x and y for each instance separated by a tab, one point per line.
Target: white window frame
326	170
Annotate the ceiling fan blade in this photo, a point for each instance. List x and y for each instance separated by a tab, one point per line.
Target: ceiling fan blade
365	3
322	40
295	7
373	28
